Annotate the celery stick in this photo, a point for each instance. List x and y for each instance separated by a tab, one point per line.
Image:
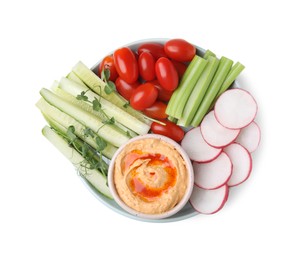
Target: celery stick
186	86
98	86
93	176
217	81
107	107
232	75
208	53
199	91
105	131
172	119
62	121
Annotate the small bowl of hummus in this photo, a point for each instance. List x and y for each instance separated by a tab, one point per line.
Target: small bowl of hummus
151	177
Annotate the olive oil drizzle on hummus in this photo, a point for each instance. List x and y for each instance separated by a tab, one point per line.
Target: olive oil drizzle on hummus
144	191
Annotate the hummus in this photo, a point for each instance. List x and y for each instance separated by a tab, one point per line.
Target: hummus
150	176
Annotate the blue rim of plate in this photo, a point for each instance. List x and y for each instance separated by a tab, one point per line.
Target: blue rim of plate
187	211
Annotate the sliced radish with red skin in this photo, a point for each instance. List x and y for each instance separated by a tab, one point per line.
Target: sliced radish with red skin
214	174
209	201
235	108
241	163
196	147
215	134
249	137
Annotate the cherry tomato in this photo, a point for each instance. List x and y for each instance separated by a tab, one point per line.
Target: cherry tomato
157	110
147	66
166	74
156	49
143	96
124	88
180	67
126	64
170	130
179	50
108	63
163	94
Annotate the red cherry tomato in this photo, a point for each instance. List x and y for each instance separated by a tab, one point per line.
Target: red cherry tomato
143	96
166	74
179	50
124	88
180	67
147	66
170	130
126	64
108	63
163	94
156	49
157	110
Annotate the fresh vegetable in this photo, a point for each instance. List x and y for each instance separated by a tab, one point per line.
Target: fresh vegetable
179	50
108	63
214	174
217	81
102	106
169	129
93	176
249	137
196	147
146	64
156	49
215	134
209	53
209	201
103	129
232	75
157	110
241	161
180	67
166	74
144	96
198	92
62	122
106	91
163	95
235	108
126	64
124	88
73	77
179	98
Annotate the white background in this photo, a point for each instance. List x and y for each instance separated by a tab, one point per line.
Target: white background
45	210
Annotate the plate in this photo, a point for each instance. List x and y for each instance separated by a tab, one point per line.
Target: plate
187	211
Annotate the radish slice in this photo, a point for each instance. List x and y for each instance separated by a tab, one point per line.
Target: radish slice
241	163
215	134
214	174
235	108
209	201
196	147
249	137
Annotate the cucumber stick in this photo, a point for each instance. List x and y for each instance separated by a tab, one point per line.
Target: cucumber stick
107	107
94	177
97	85
105	131
89	108
72	76
62	122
